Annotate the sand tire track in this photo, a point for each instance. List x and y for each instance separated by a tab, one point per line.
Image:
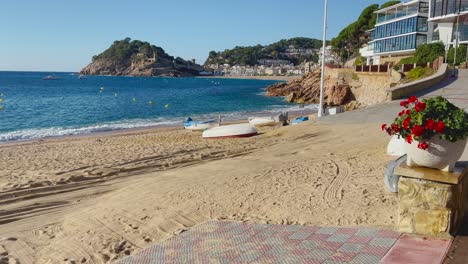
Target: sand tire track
333	192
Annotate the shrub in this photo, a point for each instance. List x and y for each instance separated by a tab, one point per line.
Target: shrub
419	73
355	77
425	53
397	67
461	54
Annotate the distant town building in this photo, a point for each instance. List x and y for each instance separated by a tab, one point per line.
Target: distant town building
330	56
243	70
273	62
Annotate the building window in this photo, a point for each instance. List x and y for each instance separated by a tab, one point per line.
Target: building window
421	39
423	7
422	24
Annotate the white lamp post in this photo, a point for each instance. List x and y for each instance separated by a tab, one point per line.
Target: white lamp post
324	39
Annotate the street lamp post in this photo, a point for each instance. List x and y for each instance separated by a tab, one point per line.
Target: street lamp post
457	32
324	46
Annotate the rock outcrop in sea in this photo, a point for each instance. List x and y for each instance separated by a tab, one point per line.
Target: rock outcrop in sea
306	90
137	58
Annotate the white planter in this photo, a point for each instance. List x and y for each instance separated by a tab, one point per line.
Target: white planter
397	146
440	155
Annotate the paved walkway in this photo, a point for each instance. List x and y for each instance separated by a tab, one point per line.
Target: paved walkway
235	242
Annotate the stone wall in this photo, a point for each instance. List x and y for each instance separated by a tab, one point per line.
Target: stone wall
411	88
431	208
370	88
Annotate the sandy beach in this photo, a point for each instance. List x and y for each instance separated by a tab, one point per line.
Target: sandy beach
98	198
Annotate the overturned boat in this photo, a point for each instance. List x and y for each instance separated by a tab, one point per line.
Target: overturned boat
269	120
230	131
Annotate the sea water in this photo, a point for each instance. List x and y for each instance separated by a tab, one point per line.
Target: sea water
36	108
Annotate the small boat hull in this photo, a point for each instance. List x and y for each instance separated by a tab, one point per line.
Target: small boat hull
231	131
201	126
190	124
262	121
300	120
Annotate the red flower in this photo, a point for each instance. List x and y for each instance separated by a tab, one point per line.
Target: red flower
430	124
409	139
395	128
406	122
417	130
408	112
420	106
389	131
384	126
401	113
423	145
439	127
404	104
412	99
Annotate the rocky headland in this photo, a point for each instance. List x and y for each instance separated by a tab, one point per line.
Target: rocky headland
136	58
306	90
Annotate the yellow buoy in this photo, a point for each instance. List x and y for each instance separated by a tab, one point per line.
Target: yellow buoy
1	100
150	102
1	108
102	88
133	99
166	106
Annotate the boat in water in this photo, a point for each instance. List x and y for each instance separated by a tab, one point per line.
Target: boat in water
231	131
50	78
82	77
299	120
190	124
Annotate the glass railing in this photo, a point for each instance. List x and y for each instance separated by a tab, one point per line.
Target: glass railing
393	14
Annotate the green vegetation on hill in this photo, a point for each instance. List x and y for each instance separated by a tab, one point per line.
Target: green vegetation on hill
389	3
351	38
250	55
131	50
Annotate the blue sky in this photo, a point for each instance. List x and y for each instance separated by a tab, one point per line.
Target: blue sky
58	35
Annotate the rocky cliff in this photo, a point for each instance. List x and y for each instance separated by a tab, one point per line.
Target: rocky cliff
307	90
137	58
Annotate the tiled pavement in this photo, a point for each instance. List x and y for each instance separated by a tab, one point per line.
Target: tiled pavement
234	242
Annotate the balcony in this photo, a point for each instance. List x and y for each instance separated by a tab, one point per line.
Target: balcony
397	12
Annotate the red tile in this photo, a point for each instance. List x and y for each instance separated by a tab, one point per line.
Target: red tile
319	237
359	240
417	250
330	245
347	231
388	234
343	256
311	261
301	252
375	251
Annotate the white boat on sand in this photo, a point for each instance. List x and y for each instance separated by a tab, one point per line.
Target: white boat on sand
268	120
230	131
262	121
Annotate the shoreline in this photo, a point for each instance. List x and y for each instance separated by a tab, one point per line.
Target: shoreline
265	78
131	131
